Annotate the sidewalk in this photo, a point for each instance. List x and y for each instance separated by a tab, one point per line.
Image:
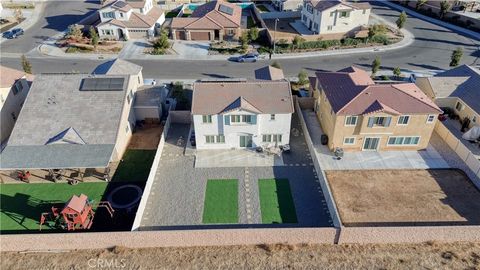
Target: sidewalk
410	12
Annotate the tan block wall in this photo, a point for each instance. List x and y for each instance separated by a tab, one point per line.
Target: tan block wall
325	116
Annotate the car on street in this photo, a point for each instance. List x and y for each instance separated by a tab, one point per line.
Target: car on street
14	33
17	31
249	57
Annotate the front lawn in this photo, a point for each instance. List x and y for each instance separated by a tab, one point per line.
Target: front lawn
276	202
221	201
22	204
135	166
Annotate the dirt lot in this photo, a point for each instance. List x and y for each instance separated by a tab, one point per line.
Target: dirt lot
424	256
405	197
146	138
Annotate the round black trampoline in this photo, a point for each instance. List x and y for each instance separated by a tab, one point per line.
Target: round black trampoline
125	197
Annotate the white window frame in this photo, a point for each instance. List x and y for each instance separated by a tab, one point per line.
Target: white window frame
351	117
209	139
348	138
330	28
433	116
403	116
207	119
347	14
403	140
272	117
220	138
459	104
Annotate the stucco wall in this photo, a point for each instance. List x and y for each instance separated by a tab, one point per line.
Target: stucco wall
13	104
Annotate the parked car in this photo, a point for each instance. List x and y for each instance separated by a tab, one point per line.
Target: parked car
17	31
249	57
9	35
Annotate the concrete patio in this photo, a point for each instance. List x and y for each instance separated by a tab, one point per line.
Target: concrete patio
455	128
426	159
235	158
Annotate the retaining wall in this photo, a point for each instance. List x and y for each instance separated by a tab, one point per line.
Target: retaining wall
181	117
365	235
462	151
179	238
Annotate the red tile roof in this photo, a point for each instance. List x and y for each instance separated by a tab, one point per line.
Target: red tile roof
351	91
210	16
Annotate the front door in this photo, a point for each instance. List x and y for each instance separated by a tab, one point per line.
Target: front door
246	141
371	144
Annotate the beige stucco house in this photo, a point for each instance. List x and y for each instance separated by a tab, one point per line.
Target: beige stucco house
14	87
335	17
457	89
215	20
358	115
129	19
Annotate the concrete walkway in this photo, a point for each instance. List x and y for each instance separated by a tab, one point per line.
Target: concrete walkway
426	159
235	158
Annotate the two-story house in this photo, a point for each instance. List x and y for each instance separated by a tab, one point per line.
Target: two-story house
457	89
129	19
242	114
14	87
335	17
358	115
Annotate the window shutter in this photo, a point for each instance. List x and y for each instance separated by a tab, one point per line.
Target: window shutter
254	119
370	121
227	119
387	122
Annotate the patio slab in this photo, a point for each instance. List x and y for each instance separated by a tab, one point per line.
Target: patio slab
301	28
455	128
235	158
368	160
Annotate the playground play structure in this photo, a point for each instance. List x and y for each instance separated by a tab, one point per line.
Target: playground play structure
76	214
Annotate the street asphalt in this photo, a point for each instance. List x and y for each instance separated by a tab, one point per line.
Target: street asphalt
431	49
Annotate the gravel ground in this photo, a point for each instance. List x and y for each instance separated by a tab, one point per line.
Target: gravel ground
177	196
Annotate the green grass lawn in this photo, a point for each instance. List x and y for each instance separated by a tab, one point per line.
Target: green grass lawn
221	201
22	204
262	8
276	202
135	166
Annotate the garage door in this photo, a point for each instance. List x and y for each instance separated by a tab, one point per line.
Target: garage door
180	35
200	35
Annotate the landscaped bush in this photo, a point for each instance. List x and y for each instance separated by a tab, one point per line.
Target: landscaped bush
383	39
324	44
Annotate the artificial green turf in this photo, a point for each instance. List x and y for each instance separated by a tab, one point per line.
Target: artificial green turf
276	202
135	166
221	201
22	204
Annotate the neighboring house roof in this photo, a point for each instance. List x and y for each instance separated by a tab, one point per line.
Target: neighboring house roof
266	97
118	67
61	126
118	5
351	91
211	15
10	75
136	3
462	82
149	97
322	5
138	20
269	73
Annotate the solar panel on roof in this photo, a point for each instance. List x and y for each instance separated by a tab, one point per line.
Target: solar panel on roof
226	9
102	84
120	4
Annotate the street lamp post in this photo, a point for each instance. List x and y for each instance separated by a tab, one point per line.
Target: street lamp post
274	35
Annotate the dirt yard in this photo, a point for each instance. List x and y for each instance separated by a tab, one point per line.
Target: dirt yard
425	256
405	197
146	138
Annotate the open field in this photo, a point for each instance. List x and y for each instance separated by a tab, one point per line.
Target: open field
276	202
419	256
405	197
22	204
221	201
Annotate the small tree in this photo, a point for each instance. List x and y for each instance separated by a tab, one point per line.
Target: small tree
444	7
397	72
18	14
276	64
402	19
27	67
74	32
93	37
161	44
303	77
297	40
420	3
456	57
376	29
253	33
376	65
244	39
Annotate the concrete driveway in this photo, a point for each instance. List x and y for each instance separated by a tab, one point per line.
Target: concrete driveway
426	159
191	49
